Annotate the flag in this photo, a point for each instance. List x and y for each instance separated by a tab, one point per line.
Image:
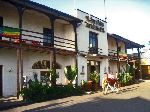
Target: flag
9	32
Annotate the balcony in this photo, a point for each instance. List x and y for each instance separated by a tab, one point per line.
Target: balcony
112	52
113	55
123	56
95	51
10	37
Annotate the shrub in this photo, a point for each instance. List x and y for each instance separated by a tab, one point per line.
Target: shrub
95	80
125	78
94	77
38	92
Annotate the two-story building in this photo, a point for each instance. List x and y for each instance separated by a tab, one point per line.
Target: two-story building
118	55
92	46
33	39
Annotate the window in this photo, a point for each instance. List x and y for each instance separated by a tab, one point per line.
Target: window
47	37
44	64
93	42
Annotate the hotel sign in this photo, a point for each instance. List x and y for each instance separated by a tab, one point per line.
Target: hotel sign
95	24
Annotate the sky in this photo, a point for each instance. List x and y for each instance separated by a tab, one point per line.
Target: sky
127	18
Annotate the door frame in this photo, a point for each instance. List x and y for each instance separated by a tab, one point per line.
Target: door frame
89	65
1	80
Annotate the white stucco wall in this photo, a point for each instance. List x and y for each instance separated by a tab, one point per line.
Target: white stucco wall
83	34
9	64
122	45
9	72
9	14
83	45
113	66
64	61
103	69
112	46
34	21
82	75
30	58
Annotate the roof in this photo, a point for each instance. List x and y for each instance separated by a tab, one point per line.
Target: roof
45	9
129	44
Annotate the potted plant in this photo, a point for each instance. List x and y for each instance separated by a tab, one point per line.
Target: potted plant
94	76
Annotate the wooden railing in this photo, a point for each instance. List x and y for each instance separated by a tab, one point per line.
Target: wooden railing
112	52
113	55
27	37
94	50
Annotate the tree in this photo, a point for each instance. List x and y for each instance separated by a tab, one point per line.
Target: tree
70	73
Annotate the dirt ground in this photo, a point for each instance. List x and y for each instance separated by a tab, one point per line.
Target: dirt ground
134	98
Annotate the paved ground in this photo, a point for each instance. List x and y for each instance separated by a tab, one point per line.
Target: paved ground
135	98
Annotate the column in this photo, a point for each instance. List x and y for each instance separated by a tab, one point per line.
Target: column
52	20
139	62
118	63
20	53
76	47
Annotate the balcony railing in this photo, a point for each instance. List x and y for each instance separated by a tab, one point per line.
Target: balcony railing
113	55
94	50
112	52
12	35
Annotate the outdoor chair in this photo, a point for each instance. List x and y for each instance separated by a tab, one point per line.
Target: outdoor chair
111	84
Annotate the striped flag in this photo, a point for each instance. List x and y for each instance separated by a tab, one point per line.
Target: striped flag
9	32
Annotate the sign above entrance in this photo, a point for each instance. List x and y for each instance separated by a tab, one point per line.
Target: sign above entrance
95	24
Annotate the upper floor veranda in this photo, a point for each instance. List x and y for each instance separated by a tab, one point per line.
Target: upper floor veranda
26	23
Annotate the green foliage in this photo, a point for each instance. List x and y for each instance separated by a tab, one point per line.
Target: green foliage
95	77
70	73
125	78
35	90
132	70
54	76
38	92
85	86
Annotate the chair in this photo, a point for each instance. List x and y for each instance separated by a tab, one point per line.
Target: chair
110	84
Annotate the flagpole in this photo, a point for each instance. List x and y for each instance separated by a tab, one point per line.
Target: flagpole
74	6
74	3
105	10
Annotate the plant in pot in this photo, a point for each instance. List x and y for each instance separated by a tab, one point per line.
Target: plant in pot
94	76
70	73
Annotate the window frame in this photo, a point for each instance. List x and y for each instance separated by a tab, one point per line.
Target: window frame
93	42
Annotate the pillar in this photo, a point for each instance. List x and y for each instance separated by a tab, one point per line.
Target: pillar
139	62
118	63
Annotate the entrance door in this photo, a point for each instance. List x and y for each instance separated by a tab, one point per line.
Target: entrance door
93	66
1	81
